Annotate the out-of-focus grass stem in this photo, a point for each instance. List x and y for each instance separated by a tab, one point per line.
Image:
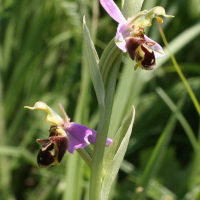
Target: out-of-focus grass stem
194	176
191	93
95	15
5	180
156	157
196	144
180	117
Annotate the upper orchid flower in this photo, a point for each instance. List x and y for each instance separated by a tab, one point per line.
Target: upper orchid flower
64	135
130	34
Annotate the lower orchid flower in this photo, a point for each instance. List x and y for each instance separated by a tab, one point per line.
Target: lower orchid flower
130	36
64	135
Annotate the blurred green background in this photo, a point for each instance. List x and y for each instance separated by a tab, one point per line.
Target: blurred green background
41	59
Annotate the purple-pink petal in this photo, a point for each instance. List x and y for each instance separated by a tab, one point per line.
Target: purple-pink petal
92	138
112	9
78	136
158	50
123	31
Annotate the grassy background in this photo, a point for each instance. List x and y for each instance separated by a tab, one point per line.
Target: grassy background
41	59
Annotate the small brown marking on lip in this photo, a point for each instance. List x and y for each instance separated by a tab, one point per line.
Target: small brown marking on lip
139	58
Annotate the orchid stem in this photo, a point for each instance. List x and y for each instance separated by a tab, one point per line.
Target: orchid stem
97	161
85	156
102	131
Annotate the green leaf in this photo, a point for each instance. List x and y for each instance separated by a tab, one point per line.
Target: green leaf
111	55
128	79
92	62
115	154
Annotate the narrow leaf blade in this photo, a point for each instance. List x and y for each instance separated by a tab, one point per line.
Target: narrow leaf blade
115	154
92	62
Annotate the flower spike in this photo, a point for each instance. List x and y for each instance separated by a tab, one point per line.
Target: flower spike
65	117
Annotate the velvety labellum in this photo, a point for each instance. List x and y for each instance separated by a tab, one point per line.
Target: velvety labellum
140	51
148	60
132	45
53	149
46	156
62	144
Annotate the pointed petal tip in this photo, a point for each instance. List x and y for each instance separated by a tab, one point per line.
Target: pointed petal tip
168	15
158	50
112	9
30	108
38	105
64	115
108	142
84	20
42	141
133	110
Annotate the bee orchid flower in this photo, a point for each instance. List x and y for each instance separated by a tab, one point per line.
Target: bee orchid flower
63	135
130	36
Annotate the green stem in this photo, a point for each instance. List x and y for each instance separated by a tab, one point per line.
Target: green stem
102	132
85	156
97	162
89	150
